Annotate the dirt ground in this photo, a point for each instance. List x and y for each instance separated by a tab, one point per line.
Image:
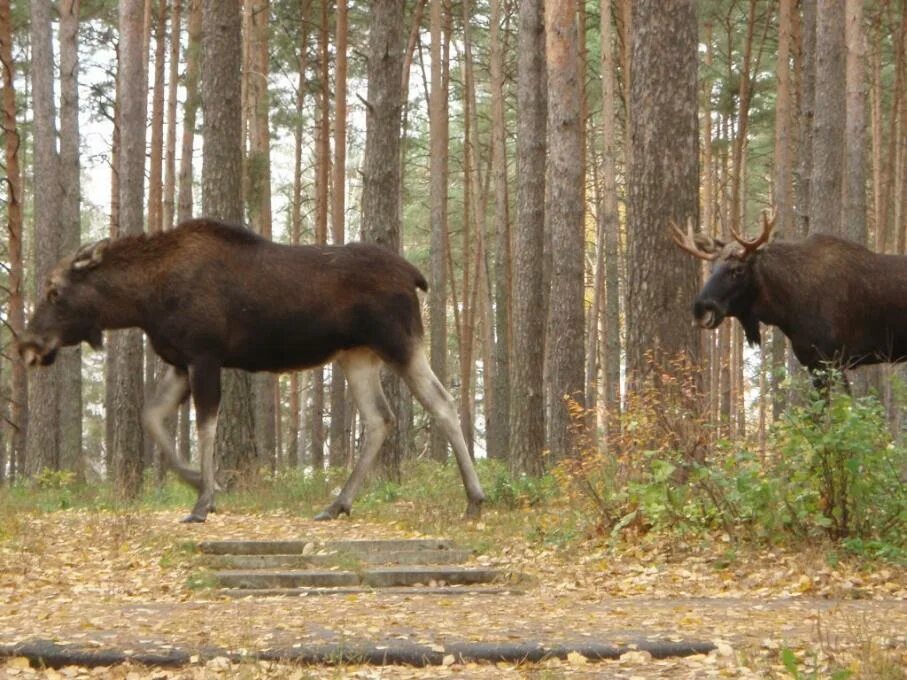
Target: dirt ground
131	581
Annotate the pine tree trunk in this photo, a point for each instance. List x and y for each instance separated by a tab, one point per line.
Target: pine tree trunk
663	183
381	171
70	221
829	119
18	411
258	181
564	214
221	101
438	170
153	365
610	230
527	417
783	182
128	438
184	201
499	424
43	444
340	436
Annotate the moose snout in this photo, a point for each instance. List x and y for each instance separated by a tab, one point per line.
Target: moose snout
708	313
38	351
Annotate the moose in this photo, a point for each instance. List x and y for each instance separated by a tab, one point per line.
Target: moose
212	295
838	303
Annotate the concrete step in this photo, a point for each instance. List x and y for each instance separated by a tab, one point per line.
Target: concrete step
361	590
337	559
382	577
305	547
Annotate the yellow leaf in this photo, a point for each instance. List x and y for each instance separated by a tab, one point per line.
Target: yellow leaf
576	659
19	662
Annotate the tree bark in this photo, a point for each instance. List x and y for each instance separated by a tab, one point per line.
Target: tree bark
609	228
71	218
128	438
854	200
663	183
258	200
438	172
527	417
340	436
381	170
499	424
782	181
564	213
18	412
829	119
221	102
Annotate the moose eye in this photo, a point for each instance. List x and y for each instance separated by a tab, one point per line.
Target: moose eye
52	295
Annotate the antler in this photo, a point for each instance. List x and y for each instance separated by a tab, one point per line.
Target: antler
752	245
688	241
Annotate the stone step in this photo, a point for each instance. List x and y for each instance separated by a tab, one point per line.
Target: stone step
336	559
300	547
361	590
383	577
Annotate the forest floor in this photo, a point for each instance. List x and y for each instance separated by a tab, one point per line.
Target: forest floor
130	580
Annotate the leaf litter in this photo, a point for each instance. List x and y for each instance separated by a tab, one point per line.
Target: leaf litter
131	581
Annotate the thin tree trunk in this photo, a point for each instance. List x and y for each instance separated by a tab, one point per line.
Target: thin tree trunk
156	201
18	412
527	417
132	91
610	229
322	178
70	222
438	170
340	437
499	424
783	181
294	449
43	445
258	200
184	200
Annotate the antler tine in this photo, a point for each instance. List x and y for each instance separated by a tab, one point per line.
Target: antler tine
752	245
687	241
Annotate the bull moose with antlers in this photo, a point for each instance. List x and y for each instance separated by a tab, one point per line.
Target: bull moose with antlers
837	302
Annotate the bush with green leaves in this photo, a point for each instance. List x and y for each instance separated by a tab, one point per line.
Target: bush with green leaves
830	469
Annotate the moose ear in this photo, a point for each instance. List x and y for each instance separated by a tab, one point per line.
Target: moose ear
90	255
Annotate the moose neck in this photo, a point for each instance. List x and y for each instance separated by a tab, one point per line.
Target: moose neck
777	279
123	282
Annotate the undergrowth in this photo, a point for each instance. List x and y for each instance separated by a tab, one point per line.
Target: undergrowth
831	471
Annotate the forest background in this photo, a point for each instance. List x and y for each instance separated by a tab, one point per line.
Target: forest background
529	160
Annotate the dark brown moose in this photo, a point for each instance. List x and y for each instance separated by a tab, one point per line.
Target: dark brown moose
210	295
838	303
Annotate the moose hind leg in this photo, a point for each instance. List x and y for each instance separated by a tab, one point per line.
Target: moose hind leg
431	394
363	373
204	380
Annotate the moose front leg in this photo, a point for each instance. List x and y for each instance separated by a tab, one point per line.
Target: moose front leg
204	381
172	390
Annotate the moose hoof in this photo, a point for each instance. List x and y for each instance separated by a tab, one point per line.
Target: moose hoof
192	519
333	511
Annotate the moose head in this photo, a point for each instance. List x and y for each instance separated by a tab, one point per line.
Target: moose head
67	313
732	288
